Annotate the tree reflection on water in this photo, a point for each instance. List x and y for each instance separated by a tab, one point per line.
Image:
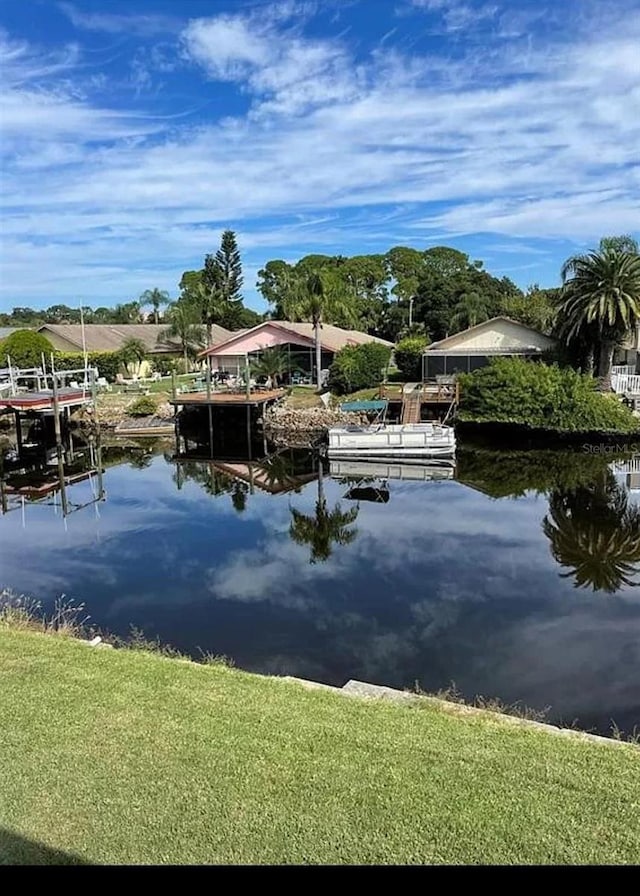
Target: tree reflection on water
325	528
592	523
594	531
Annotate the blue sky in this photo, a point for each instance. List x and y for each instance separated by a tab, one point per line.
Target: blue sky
133	132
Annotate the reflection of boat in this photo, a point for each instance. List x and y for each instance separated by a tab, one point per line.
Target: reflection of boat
381	468
377	495
401	440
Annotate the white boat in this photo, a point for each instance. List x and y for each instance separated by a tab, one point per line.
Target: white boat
391	440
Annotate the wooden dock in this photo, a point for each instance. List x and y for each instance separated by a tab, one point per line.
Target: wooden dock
410	401
255	398
44	402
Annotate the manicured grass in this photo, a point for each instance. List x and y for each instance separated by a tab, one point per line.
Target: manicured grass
303	397
360	395
163	385
117	756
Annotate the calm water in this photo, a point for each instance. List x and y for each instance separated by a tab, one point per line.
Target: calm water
514	581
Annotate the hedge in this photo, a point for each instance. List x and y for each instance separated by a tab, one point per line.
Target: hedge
358	367
541	396
107	363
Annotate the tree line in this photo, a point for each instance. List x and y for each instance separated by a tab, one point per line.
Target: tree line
427	294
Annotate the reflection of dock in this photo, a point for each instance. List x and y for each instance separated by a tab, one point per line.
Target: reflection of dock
42	485
33	491
275	474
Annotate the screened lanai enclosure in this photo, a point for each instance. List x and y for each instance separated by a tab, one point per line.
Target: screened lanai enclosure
445	363
299	362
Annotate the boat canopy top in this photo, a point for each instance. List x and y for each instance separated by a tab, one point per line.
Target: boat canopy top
378	405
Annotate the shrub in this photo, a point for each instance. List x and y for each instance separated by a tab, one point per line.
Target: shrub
163	365
408	355
358	367
540	396
107	363
25	348
145	406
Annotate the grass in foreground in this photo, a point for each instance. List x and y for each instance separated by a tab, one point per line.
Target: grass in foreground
126	757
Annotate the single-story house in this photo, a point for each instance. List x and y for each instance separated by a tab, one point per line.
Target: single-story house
473	348
298	339
111	338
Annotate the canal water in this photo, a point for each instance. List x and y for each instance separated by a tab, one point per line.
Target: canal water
514	576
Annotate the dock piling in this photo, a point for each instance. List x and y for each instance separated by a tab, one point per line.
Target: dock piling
59	445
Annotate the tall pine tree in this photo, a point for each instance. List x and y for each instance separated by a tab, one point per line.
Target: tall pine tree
221	281
223	271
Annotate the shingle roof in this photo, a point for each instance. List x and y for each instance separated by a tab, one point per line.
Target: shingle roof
454	338
332	338
111	337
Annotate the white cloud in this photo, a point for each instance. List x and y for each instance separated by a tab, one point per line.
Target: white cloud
114	23
523	141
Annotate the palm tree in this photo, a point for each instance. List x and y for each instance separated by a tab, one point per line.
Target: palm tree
595	533
600	299
273	363
325	528
317	297
470	310
133	352
154	297
127	313
186	328
210	304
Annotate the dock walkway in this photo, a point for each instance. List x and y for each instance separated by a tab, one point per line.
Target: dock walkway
227	399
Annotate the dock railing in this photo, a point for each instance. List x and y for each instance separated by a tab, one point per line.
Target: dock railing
430	391
40	379
625	383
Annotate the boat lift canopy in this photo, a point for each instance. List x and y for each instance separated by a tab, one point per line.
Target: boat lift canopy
373	405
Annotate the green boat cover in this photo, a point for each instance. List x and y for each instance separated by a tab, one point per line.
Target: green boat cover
364	405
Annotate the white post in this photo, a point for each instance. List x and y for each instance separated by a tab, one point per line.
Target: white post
11	380
84	349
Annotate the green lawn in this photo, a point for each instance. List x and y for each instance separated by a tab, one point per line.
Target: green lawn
117	756
163	385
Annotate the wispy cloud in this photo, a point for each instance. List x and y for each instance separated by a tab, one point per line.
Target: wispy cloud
533	139
140	24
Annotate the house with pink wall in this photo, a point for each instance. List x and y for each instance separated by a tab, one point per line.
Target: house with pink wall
296	338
